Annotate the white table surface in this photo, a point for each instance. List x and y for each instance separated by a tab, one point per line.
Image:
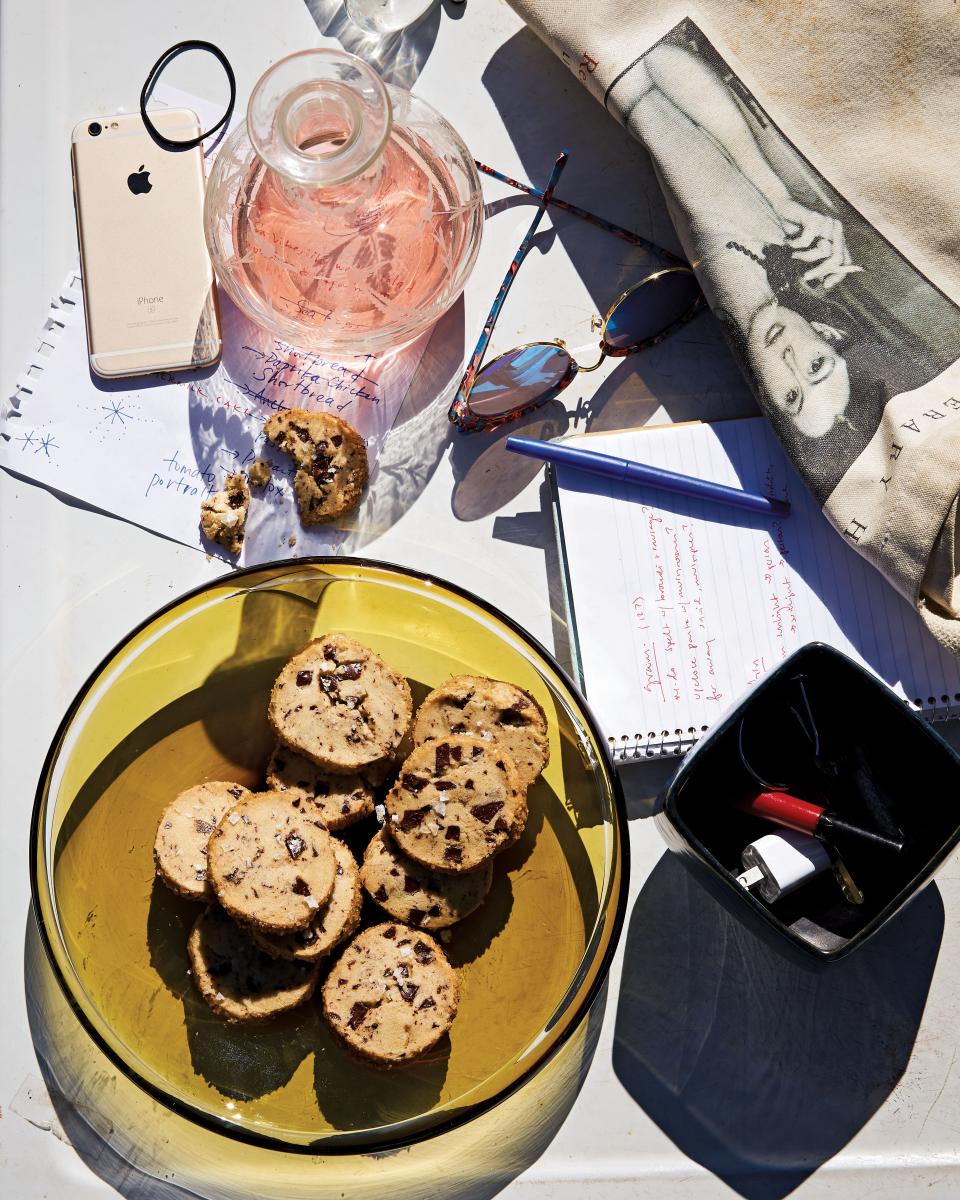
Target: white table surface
722	1052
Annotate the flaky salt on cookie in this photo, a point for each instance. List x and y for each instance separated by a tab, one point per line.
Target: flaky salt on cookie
271	865
392	994
488	709
180	849
340	705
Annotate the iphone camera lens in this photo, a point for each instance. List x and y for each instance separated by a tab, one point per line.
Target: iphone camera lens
94	128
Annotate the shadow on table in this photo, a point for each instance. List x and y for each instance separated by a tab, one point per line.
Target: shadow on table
398	57
608	173
419	436
111	1124
758	1068
691	375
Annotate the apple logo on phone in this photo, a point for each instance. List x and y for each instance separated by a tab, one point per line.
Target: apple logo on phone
139	182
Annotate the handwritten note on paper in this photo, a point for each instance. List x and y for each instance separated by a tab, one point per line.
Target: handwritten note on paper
681	604
150	449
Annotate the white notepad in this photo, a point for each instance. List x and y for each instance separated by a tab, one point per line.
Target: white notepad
679	605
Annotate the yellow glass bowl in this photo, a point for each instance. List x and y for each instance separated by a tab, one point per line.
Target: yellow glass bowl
183	699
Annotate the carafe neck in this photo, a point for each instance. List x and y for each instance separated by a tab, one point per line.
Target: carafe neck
320	120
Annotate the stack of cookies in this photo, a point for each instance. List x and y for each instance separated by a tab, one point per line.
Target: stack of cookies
284	893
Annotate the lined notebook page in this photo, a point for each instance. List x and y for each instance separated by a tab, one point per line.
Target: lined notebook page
680	604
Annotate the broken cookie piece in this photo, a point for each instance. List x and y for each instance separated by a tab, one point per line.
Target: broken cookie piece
331	462
223	515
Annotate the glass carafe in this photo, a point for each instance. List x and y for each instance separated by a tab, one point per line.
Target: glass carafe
346	216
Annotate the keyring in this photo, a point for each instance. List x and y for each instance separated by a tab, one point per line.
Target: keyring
160	65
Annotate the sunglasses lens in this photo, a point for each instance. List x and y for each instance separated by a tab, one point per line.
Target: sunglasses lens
650	308
518	380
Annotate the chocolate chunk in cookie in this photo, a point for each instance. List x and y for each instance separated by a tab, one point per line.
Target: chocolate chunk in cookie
392	994
331	460
457	802
339	800
223	515
332	924
416	895
180	849
340	705
239	981
488	709
271	864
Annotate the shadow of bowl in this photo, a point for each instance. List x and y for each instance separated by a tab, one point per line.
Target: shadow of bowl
146	1151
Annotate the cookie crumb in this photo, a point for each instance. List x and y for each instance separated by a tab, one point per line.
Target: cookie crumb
260	473
292	539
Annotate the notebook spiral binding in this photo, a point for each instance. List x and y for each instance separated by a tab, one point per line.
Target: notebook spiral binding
947	708
667	744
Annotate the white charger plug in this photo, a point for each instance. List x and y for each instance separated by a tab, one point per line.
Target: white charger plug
778	863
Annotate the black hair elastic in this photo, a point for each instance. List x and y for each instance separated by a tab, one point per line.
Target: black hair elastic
160	65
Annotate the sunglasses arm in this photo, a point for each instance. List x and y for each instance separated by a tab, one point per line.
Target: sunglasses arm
459	412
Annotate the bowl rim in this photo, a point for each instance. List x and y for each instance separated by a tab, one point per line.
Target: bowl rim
340	1144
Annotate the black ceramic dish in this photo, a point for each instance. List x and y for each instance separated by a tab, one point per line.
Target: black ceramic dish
886	768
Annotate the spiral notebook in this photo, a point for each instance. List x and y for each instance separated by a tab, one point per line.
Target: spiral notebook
678	605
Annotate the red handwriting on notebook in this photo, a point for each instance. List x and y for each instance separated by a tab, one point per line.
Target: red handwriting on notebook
781	597
677	648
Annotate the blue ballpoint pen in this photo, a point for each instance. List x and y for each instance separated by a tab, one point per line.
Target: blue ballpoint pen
634	472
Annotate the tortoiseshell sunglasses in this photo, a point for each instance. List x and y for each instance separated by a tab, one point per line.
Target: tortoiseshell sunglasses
528	376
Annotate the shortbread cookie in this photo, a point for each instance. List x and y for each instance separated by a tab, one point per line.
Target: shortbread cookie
488	708
332	924
239	981
416	895
338	800
223	515
340	705
180	849
392	994
457	802
271	864
331	460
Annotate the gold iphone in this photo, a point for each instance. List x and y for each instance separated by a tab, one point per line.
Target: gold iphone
148	283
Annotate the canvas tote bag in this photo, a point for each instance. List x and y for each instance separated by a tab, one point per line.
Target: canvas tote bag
810	156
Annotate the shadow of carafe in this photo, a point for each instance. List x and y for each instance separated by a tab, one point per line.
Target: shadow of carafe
397	55
411	453
757	1067
275	621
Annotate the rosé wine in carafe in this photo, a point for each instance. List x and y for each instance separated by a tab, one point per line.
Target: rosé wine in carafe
346	216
